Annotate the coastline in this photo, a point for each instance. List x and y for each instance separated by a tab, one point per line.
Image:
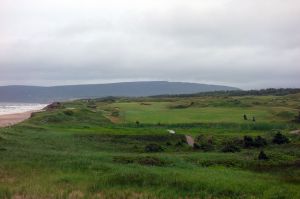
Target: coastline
14	118
11	119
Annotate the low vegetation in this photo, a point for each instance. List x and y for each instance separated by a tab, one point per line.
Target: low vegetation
123	148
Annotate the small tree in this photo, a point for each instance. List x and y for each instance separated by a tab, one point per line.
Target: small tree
137	122
280	139
262	156
245	117
253	119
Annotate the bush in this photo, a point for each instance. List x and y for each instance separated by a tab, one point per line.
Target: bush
153	148
280	139
257	142
260	142
196	146
262	156
179	144
248	142
230	148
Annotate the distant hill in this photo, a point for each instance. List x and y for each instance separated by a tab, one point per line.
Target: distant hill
37	94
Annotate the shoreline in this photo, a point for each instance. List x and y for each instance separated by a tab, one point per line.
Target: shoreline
15	118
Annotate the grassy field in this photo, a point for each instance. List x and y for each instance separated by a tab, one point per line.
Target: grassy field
158	112
96	149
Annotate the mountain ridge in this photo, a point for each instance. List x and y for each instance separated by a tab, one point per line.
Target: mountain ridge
45	94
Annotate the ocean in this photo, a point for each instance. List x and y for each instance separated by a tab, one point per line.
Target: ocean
10	108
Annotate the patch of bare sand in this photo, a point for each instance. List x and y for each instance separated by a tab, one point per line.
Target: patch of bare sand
15	118
295	132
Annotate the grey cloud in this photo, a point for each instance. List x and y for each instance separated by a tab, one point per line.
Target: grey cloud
250	44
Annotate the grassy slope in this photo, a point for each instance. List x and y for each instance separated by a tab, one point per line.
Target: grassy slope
81	154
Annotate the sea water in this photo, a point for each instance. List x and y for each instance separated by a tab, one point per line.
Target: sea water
11	108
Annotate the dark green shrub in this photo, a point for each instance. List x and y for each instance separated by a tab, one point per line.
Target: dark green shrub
280	139
196	146
260	142
262	156
179	144
153	148
248	141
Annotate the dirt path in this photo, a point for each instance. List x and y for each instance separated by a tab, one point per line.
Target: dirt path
295	132
190	140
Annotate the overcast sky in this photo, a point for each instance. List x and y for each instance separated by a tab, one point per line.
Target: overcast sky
243	43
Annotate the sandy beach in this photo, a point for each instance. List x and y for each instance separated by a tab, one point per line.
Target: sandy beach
11	119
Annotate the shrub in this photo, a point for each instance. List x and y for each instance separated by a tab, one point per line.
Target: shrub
248	142
196	146
153	148
257	142
280	139
179	144
260	142
262	156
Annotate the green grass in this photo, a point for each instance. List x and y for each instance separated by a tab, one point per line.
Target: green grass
80	153
159	112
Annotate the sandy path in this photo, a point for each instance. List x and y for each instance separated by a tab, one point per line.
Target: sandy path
295	132
11	119
190	140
